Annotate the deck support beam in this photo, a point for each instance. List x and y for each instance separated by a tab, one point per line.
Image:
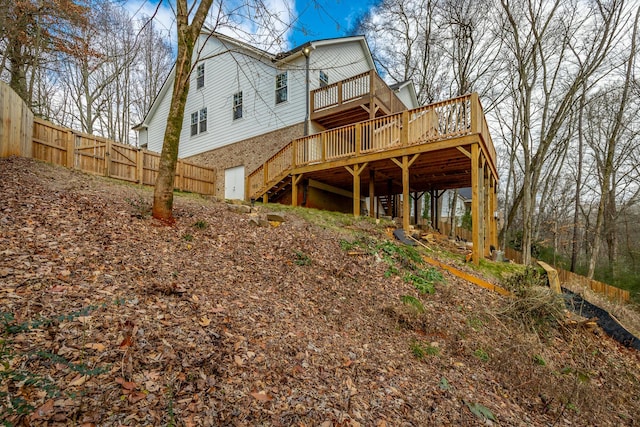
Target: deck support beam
356	171
405	165
295	179
477	203
372	193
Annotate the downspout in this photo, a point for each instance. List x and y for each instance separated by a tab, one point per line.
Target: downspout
307	52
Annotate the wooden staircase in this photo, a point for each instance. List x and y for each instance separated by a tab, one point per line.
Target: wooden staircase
371	139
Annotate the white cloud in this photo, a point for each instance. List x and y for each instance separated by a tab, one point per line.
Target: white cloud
265	24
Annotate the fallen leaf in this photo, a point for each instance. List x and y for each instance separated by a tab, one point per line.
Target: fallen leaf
127	342
127	385
238	360
96	346
84	319
262	396
78	381
136	396
44	412
204	321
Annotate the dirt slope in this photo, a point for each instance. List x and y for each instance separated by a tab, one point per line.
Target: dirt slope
110	318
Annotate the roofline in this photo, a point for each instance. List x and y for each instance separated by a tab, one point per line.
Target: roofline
261	54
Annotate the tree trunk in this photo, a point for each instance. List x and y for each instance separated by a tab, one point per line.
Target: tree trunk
575	247
187	36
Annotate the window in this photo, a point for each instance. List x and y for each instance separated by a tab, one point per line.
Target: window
200	77
194	123
199	122
203	120
324	79
237	105
281	87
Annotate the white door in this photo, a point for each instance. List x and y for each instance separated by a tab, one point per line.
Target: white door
234	183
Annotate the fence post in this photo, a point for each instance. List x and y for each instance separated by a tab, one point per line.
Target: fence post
358	130
71	148
107	157
140	166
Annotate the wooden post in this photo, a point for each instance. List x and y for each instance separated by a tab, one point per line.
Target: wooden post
475	204
404	133
140	166
71	148
358	130
265	177
476	114
294	152
294	189
107	157
492	210
405	165
323	146
372	190
487	210
355	172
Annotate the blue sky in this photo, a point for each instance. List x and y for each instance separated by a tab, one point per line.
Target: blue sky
316	19
322	19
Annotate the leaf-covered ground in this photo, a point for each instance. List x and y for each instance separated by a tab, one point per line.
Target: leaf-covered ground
110	319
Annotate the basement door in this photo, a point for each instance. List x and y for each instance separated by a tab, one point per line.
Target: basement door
234	183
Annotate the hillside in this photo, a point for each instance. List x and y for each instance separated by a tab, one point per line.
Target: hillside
110	318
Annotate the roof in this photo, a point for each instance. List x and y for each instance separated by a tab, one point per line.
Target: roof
406	85
260	54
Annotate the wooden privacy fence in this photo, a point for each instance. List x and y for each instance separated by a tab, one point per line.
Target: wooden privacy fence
462	233
101	156
611	292
23	135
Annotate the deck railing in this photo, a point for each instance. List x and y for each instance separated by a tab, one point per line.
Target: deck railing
356	87
443	120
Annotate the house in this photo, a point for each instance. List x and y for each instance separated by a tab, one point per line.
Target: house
316	126
245	104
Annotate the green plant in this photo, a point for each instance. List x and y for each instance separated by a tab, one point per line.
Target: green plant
200	224
420	350
481	354
187	237
480	411
301	258
475	323
539	360
413	302
444	384
424	280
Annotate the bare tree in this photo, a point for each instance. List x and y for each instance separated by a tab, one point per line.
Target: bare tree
606	156
543	41
31	31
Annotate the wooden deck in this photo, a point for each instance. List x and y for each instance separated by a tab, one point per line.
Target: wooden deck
439	146
359	98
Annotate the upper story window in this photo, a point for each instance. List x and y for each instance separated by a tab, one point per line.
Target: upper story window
237	105
199	122
281	87
324	79
200	77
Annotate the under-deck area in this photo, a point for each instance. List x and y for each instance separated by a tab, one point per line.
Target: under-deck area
441	146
